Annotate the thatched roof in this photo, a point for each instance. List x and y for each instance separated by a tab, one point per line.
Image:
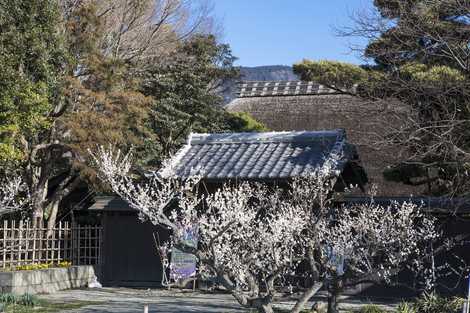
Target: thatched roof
322	108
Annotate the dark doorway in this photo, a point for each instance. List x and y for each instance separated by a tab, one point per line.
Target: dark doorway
130	257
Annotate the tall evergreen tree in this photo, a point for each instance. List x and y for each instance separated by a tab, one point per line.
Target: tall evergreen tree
62	93
61	96
187	86
421	53
33	58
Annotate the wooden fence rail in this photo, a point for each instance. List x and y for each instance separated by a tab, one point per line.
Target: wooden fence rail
21	244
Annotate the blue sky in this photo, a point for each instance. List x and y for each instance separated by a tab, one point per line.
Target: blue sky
268	32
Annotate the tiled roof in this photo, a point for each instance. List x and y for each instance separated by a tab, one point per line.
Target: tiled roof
280	88
259	156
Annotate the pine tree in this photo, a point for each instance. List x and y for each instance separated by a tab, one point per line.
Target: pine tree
186	87
421	54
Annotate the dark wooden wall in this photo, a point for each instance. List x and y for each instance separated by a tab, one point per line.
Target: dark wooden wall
129	255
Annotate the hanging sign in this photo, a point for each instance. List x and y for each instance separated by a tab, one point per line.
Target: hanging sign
183	265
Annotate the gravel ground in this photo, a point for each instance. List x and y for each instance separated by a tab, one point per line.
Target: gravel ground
125	300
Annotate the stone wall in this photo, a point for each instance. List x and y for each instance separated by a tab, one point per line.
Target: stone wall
47	280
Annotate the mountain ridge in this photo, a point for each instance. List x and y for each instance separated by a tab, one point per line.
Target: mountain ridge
258	73
267	73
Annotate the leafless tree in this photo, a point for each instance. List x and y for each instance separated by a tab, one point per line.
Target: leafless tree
139	31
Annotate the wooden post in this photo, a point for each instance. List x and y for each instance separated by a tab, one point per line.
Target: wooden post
26	243
12	242
89	262
20	236
5	225
79	245
59	242
73	250
67	255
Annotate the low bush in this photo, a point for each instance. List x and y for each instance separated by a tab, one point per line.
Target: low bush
28	300
371	308
406	307
25	300
432	303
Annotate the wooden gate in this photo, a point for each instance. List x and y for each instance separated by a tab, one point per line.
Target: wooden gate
129	254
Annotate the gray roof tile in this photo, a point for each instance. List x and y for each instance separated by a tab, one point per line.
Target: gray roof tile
259	156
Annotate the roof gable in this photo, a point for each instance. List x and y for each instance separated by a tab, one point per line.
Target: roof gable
260	156
281	88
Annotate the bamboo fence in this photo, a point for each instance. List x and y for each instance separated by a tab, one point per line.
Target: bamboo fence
21	244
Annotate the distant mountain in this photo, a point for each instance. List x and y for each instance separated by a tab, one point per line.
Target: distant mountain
259	73
266	73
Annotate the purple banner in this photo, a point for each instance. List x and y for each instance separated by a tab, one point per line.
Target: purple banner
183	265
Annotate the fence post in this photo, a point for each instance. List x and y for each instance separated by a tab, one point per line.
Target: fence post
5	226
19	259
12	241
59	239
26	242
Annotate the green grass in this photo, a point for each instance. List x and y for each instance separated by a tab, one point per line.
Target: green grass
47	307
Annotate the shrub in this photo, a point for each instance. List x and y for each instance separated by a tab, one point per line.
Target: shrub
28	300
7	298
406	307
25	300
433	303
371	308
242	121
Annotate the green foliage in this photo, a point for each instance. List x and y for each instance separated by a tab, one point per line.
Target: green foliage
371	308
405	307
331	73
434	303
32	55
62	92
47	307
24	300
420	59
184	87
28	300
436	74
8	298
244	122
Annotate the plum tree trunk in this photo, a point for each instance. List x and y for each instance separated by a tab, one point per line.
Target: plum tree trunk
266	308
333	302
262	303
306	296
333	293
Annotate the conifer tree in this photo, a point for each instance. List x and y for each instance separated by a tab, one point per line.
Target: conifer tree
421	56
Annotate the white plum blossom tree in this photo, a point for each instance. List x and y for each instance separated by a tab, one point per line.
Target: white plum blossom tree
367	243
250	239
357	243
151	198
251	236
11	199
247	234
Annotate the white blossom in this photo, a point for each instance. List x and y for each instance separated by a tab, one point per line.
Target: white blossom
150	198
11	198
252	236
